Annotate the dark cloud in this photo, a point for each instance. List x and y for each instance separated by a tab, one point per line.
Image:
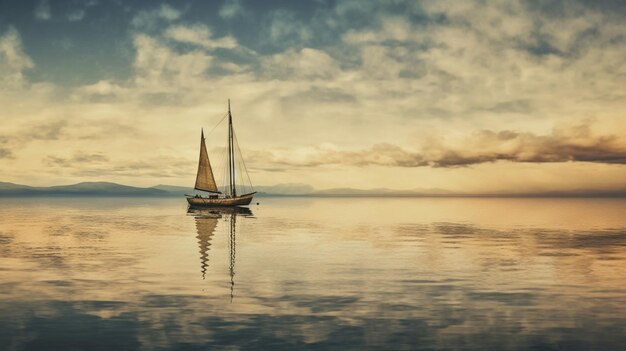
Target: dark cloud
541	46
320	95
573	144
105	128
77	159
5	153
99	165
56	161
91	158
49	131
137	169
561	8
515	106
577	144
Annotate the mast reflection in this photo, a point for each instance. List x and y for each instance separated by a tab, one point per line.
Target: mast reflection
232	249
206	224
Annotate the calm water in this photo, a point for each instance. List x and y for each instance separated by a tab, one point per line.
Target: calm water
323	274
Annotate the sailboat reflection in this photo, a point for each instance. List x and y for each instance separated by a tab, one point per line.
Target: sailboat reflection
206	224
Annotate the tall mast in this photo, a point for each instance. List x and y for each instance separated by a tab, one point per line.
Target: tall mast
231	154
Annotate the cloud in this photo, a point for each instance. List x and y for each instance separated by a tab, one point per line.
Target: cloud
198	35
467	57
304	64
103	90
100	165
285	31
42	11
77	159
48	131
231	9
576	144
13	60
76	15
5	153
150	18
515	106
79	13
156	64
349	83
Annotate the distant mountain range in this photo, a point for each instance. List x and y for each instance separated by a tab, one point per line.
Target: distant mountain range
80	189
288	189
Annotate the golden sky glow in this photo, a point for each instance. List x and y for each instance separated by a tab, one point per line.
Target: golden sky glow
462	96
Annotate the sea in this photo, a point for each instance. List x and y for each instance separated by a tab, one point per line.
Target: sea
301	273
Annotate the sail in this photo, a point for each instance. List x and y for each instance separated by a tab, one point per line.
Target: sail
204	179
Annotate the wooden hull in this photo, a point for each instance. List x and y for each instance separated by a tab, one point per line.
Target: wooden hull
243	200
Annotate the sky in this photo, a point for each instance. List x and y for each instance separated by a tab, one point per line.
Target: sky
466	96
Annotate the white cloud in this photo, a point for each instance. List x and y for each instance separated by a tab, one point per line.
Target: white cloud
159	68
149	18
230	9
392	28
102	90
394	83
13	60
76	15
43	11
488	56
199	35
284	29
307	63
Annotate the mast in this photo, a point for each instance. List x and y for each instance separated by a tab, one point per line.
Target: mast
231	154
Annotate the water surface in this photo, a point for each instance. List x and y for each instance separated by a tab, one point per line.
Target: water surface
313	274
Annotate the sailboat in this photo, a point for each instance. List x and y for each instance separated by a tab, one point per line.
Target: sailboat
205	181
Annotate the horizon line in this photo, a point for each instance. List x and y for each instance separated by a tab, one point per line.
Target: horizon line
43	191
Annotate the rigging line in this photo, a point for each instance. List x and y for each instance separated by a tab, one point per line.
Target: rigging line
238	150
240	167
223	168
244	162
238	159
225	171
218	123
243	184
243	180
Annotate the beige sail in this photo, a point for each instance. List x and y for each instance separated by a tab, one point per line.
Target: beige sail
204	179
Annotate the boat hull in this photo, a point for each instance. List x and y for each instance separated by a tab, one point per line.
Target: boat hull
243	200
